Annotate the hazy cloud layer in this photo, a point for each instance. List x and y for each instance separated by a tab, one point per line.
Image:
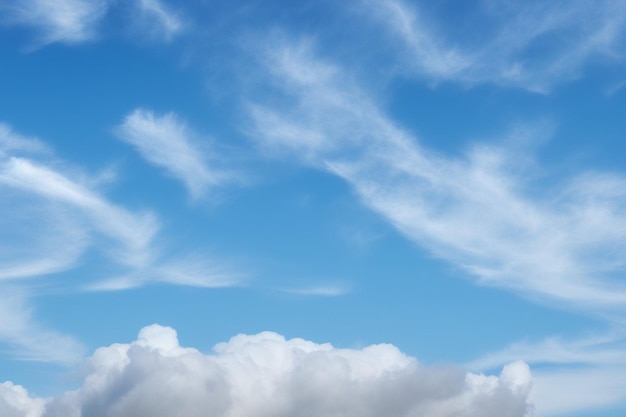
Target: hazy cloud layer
266	375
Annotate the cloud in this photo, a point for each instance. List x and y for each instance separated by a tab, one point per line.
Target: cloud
133	231
166	142
64	21
153	19
267	375
562	369
533	45
50	218
563	391
483	212
15	402
26	338
195	271
11	141
329	290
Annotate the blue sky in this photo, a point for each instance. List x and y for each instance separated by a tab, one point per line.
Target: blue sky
271	208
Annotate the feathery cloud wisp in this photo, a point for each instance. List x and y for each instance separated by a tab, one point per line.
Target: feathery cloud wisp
166	141
65	21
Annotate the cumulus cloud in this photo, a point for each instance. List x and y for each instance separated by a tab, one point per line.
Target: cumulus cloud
267	375
15	402
167	142
482	212
570	34
65	21
561	387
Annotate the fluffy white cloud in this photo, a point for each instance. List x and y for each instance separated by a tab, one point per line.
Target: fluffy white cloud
570	35
481	212
167	142
266	375
66	21
15	402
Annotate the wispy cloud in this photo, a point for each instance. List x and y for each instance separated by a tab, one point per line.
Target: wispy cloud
168	143
65	21
267	375
533	45
27	339
12	142
562	369
320	290
481	212
133	231
194	271
154	19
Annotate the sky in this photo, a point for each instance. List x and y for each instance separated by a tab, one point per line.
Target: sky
313	208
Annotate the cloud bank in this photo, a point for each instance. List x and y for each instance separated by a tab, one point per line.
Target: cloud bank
267	375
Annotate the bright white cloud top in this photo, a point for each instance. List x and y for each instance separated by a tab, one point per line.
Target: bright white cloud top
266	375
443	179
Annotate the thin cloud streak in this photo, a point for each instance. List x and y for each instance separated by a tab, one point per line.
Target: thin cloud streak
329	290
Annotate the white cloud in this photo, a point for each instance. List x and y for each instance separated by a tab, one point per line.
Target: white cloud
133	231
11	141
328	290
195	271
533	45
266	375
65	21
154	19
27	339
15	402
563	368
166	141
480	212
50	218
560	392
